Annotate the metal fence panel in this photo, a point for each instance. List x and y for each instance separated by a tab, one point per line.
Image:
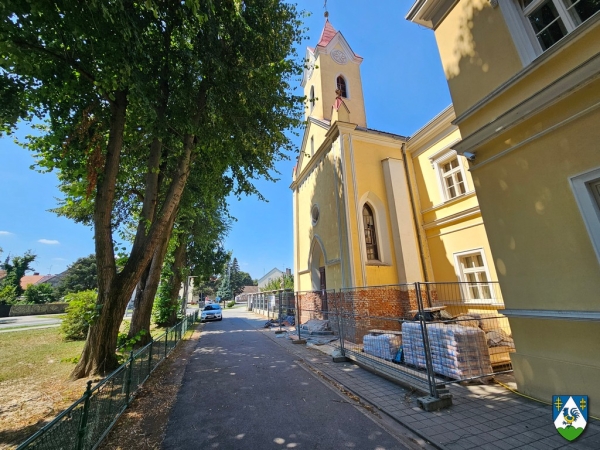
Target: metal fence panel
84	424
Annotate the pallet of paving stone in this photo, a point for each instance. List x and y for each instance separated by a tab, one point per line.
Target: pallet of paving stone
457	352
382	345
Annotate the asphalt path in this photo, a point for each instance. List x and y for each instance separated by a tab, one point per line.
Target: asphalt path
241	390
28	321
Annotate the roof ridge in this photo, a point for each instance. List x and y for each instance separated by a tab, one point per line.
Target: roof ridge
327	34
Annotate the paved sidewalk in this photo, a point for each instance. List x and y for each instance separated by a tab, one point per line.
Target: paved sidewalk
482	416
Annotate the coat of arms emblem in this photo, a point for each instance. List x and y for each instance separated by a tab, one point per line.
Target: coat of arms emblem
570	414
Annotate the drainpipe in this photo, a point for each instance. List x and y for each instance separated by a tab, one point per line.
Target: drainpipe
414	212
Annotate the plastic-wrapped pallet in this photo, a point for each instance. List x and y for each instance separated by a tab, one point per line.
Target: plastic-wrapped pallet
457	352
383	345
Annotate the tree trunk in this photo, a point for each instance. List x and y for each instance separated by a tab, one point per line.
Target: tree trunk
176	280
114	290
138	301
143	312
98	353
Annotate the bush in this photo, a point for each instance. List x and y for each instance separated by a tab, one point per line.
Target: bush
40	293
81	313
231	304
8	294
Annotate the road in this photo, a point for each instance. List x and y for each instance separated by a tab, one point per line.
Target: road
27	322
241	390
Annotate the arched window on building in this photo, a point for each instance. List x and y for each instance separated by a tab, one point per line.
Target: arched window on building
370	236
312	98
341	86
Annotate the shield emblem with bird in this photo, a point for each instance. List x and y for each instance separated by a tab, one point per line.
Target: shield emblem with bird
570	415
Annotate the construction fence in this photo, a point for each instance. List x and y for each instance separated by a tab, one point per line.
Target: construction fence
425	335
86	422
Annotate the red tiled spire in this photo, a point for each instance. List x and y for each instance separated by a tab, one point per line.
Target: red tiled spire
327	34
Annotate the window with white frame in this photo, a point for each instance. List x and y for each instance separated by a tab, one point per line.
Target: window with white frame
551	20
452	177
370	234
586	188
473	273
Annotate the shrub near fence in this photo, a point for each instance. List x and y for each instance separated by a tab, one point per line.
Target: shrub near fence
86	422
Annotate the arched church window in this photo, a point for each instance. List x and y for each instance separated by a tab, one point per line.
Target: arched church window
312	98
341	86
370	236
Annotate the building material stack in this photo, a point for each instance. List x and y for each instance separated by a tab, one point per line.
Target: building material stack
457	352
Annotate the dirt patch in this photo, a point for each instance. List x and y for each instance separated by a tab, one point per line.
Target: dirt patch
143	425
31	403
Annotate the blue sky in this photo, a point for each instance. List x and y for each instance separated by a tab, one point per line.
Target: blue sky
404	87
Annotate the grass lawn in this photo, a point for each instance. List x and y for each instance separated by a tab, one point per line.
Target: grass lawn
40	353
34	381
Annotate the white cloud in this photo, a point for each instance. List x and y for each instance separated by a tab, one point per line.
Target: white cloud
5	233
58	259
49	241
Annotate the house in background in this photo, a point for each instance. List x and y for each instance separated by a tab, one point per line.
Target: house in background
523	76
273	274
246	294
373	208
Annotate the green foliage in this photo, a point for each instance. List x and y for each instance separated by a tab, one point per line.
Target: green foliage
82	311
40	293
275	285
10	286
82	275
125	344
231	304
8	294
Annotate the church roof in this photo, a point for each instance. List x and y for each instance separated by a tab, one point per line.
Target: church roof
327	34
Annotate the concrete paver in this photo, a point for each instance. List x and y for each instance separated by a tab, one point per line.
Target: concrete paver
482	416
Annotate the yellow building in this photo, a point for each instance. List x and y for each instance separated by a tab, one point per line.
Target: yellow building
523	76
374	208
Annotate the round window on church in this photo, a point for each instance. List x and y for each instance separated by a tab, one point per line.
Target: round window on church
314	214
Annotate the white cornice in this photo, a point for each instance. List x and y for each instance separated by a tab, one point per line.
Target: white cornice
430	13
454	218
560	47
435	130
541	100
439	206
588	316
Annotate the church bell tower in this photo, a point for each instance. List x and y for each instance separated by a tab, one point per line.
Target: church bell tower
332	79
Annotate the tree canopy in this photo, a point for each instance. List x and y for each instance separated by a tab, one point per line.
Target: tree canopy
133	97
82	275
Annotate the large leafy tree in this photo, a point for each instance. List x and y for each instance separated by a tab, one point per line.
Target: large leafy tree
82	275
15	267
132	95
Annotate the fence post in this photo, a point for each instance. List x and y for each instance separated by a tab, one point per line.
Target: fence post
128	381
426	348
341	322
166	341
150	357
280	308
298	314
84	416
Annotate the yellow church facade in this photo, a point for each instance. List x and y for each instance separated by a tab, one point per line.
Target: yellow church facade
373	208
524	82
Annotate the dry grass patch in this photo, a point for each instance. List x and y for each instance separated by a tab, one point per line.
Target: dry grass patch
34	384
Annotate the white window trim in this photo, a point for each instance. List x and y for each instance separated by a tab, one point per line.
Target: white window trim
384	245
347	84
526	43
461	277
588	206
437	162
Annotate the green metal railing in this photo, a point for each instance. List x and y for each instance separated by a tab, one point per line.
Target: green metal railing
86	422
